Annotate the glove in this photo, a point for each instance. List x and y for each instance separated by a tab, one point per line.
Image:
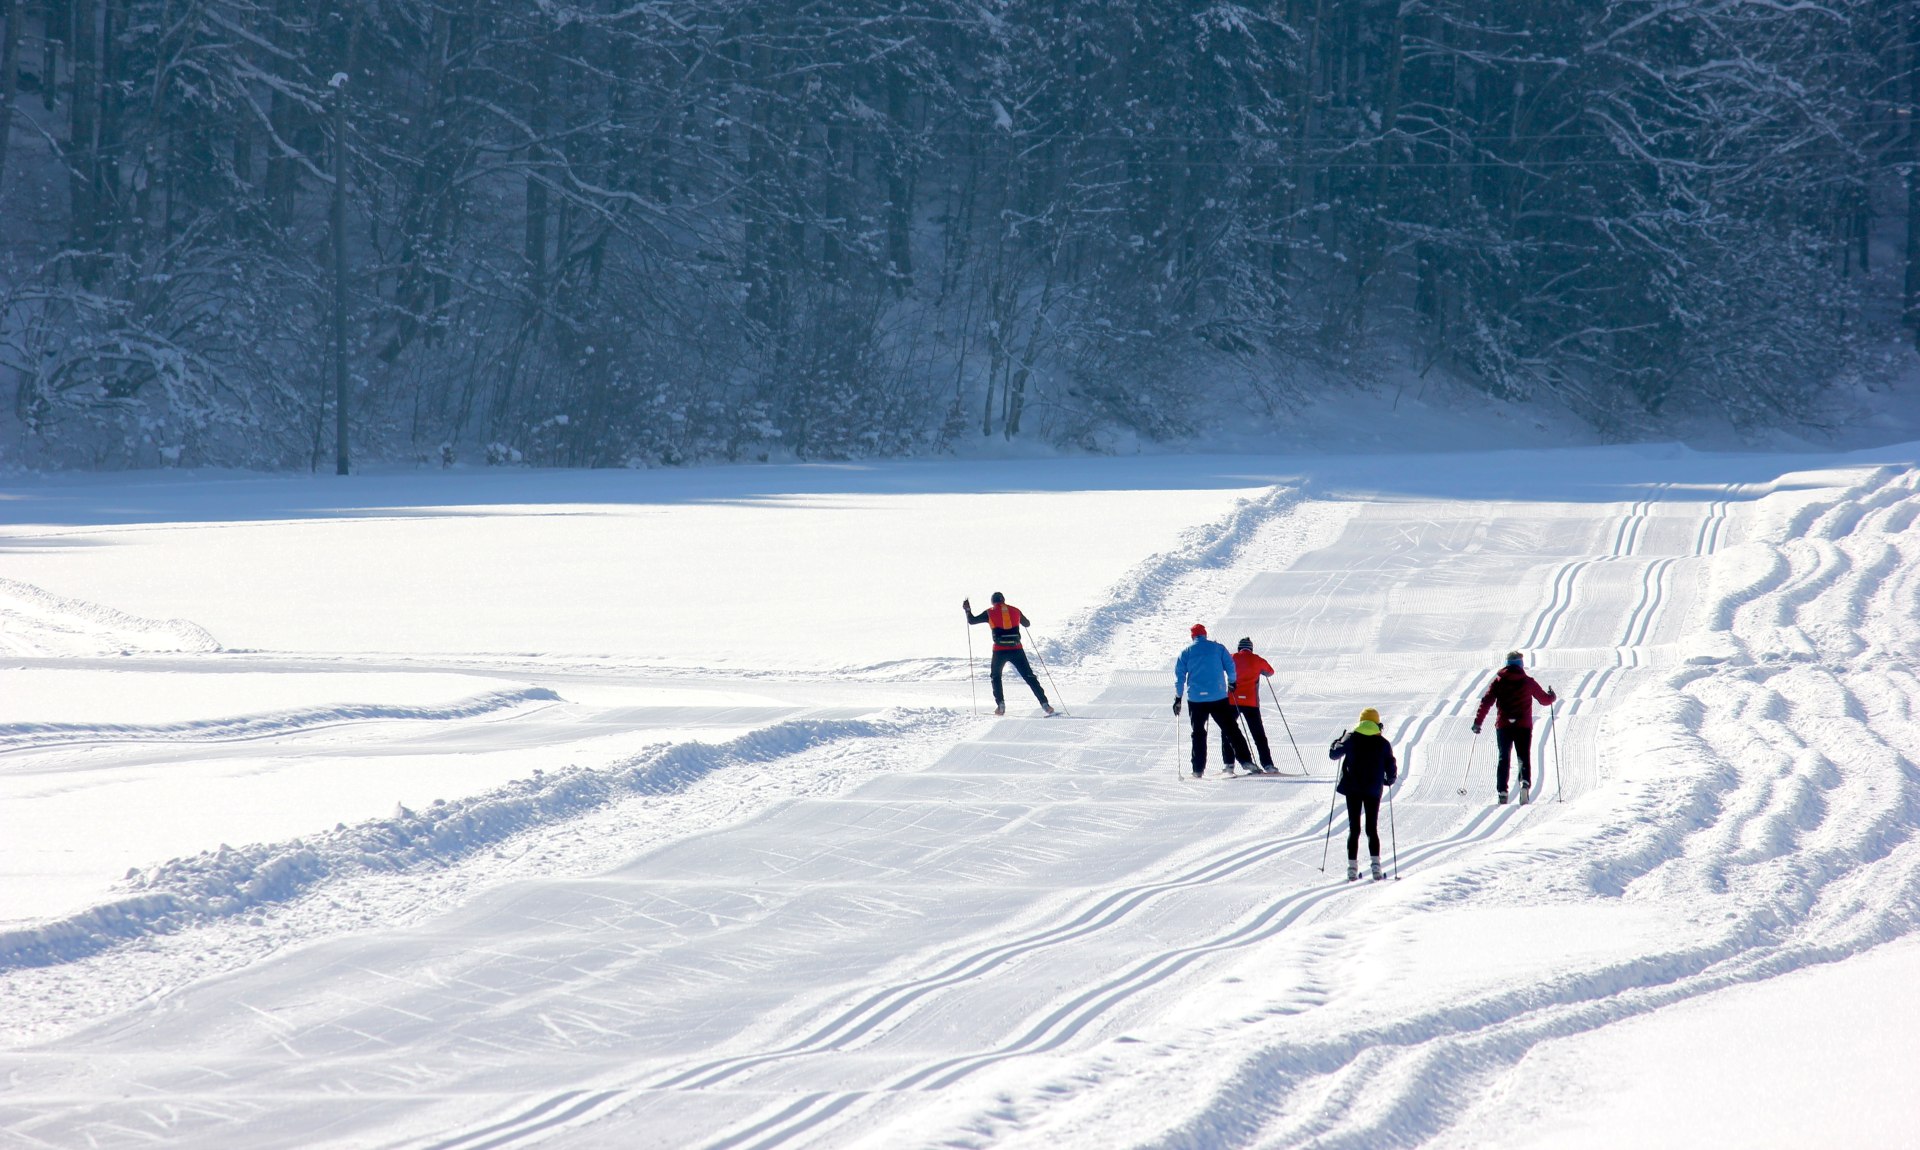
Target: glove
967	606
1476	728
1176	704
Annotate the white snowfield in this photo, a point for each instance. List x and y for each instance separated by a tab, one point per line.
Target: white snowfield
616	811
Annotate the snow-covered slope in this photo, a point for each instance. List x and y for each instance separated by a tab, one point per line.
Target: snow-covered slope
806	916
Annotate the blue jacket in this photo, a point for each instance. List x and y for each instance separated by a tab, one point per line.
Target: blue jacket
1204	673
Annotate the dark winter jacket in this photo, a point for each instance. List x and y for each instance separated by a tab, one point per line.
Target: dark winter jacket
1515	692
1204	673
1369	767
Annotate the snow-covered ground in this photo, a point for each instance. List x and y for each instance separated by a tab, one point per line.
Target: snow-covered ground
653	809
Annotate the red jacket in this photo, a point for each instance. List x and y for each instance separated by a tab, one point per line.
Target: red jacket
1247	669
1516	693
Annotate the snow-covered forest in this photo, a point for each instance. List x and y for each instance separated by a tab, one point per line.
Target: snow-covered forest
604	234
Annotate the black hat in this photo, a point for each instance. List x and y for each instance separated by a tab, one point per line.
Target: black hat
999	598
1246	644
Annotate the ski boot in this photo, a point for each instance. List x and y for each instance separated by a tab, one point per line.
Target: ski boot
1526	793
1000	710
1377	874
1503	798
1353	870
1269	769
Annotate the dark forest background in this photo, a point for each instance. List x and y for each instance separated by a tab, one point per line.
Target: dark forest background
658	231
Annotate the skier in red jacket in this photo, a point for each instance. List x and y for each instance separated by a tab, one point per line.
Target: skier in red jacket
1245	697
1515	692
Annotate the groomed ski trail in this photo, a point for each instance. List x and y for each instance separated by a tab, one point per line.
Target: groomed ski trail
811	1116
1022	942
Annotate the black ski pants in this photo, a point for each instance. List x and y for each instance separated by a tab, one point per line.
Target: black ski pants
1358	805
1234	744
1517	741
1256	728
1017	659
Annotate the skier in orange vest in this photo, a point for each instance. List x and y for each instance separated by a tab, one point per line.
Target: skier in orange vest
1006	620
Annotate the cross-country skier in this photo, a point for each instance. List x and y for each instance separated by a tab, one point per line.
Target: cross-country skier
1205	675
1245	697
1369	769
1006	620
1515	692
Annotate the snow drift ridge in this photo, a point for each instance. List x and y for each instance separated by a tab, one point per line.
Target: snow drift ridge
230	881
38	622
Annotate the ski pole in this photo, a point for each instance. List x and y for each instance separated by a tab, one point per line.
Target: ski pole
1179	769
1469	770
1394	832
973	684
1559	768
1275	696
1047	671
1325	846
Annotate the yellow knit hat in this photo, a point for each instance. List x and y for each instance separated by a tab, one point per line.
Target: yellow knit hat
1369	716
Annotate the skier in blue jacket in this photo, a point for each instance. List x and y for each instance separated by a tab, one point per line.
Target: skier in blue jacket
1205	676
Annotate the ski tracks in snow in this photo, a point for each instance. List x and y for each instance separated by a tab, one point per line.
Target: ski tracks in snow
813	1117
1764	810
1748	780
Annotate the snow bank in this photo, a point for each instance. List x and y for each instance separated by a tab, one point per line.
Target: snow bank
230	881
1145	589
37	622
14	736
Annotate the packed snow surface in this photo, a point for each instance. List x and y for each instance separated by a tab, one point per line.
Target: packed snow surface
660	809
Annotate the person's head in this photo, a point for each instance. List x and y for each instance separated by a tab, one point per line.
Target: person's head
1369	723
1246	644
1516	660
1199	631
999	598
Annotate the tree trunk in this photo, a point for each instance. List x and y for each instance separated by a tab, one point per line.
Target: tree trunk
1911	295
107	211
14	11
53	20
1375	251
535	247
82	152
899	187
339	226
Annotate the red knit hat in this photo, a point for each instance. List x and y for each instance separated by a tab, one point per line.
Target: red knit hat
1199	629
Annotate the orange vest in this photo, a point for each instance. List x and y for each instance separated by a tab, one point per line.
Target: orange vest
1004	618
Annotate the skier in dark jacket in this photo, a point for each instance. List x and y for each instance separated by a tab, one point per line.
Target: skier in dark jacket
1005	620
1514	692
1205	675
1369	769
